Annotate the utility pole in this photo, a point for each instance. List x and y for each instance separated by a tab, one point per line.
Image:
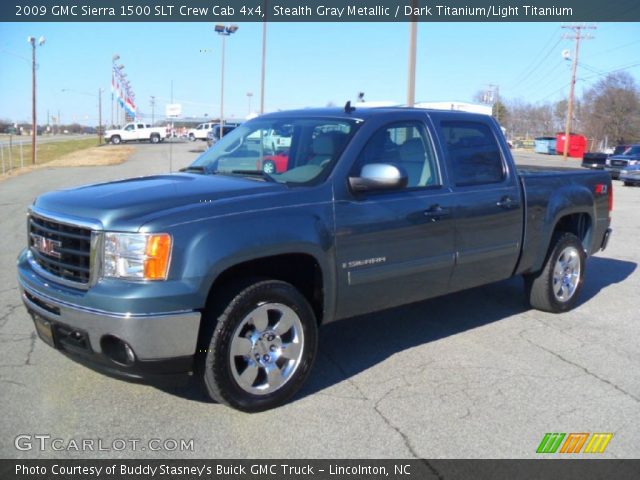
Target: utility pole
34	123
576	35
264	56
153	110
100	132
413	35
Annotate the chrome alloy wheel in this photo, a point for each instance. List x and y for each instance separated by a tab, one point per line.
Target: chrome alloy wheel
566	274
266	348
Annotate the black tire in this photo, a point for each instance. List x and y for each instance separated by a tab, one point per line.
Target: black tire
116	140
269	167
546	294
215	366
192	137
155	138
628	184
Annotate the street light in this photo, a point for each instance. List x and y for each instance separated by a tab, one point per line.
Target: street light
249	95
99	95
34	126
224	31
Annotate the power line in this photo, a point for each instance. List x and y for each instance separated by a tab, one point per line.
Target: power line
532	66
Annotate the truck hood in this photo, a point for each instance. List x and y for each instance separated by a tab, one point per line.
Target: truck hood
127	203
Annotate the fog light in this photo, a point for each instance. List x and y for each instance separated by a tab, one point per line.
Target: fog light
118	351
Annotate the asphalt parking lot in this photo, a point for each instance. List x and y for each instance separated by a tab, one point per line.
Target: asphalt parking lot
471	375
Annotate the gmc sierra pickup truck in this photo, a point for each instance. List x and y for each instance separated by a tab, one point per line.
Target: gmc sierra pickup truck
226	272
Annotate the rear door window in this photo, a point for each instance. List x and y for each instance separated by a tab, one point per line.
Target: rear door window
473	152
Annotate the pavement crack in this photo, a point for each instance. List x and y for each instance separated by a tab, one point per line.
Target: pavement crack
584	369
32	347
4	318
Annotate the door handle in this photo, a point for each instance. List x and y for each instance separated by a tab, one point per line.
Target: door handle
435	212
506	202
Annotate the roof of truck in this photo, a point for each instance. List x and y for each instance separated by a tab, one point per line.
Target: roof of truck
361	113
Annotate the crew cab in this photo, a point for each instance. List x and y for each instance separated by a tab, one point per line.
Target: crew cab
226	272
135	132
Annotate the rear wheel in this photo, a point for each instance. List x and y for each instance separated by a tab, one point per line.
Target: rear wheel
155	138
262	347
556	288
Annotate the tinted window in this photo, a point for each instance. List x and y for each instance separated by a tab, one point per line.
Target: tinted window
405	145
474	153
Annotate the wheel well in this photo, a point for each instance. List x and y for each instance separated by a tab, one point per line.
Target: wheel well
577	223
299	269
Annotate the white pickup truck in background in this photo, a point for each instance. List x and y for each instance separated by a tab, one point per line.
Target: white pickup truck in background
136	132
201	131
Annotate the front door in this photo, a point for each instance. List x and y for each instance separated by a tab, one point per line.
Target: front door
395	247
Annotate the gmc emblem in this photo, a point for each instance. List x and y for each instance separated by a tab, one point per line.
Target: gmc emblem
46	245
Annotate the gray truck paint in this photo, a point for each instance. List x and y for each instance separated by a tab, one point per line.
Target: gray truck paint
218	222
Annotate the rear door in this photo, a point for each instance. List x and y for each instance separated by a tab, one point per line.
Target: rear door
394	247
488	204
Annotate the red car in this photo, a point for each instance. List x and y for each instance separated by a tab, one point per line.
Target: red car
274	163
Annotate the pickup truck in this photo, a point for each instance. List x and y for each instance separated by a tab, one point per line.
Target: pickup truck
136	132
598	160
620	161
225	272
200	132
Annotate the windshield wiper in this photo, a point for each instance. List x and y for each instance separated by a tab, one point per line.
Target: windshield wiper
193	168
254	173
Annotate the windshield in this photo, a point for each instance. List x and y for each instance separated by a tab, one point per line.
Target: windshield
634	150
294	150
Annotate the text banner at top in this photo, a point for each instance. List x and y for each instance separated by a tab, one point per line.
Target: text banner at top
319	11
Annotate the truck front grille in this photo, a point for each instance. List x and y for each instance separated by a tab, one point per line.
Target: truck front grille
60	249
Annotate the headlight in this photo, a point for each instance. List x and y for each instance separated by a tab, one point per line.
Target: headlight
137	256
633	162
622	172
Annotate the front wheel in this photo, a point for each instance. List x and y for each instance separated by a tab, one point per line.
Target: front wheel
116	140
628	184
262	347
556	288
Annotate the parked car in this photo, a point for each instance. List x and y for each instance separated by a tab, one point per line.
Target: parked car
214	134
135	132
225	273
276	163
615	163
630	175
597	160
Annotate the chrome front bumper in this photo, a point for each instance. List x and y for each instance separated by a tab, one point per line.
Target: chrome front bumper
152	336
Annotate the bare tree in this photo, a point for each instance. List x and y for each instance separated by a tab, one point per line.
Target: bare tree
611	108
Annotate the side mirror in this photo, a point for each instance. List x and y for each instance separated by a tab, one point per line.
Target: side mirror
379	176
